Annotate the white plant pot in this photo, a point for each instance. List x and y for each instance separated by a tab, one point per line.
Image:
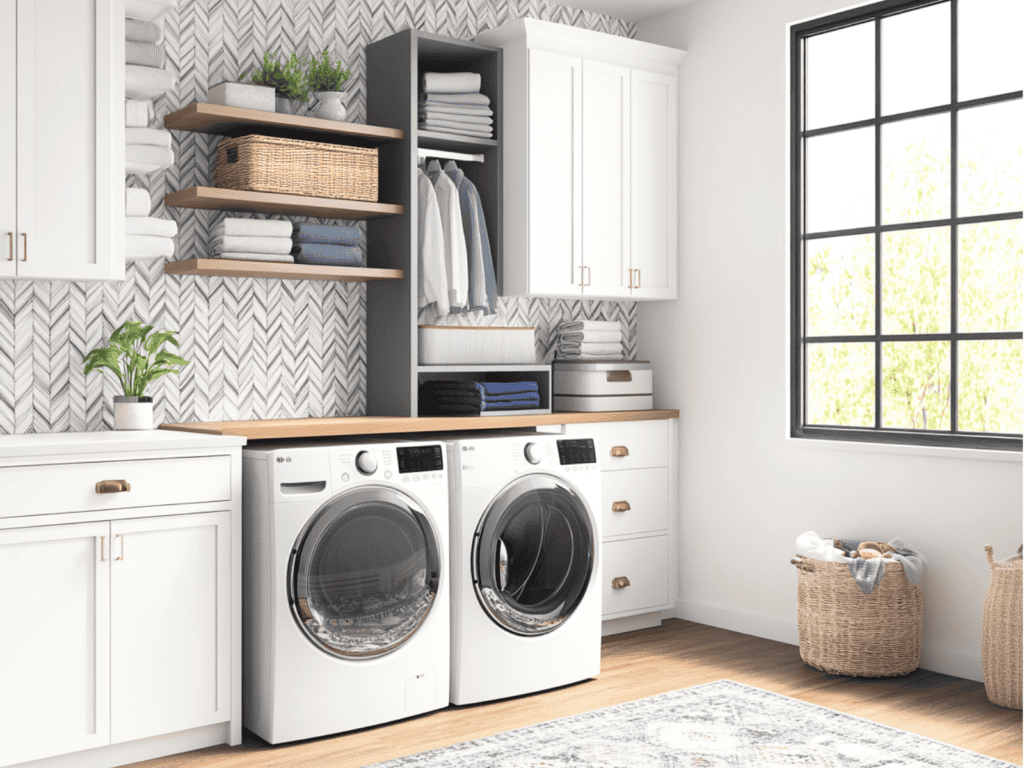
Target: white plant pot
133	412
329	106
288	106
244	95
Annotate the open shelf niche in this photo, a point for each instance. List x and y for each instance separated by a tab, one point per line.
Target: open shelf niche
394	69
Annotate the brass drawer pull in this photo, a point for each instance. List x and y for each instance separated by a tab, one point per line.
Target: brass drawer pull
121	537
24	256
619	451
103	555
112	486
10	242
619	582
620	506
614	376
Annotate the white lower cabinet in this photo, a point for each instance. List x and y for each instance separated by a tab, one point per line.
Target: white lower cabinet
635	575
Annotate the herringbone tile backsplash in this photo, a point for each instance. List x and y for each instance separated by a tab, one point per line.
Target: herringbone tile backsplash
259	348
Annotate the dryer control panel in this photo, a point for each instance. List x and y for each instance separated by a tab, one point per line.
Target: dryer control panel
578	451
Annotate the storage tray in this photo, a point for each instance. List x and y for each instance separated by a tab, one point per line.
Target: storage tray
589	378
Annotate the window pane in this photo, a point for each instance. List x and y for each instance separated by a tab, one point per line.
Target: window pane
840	76
988	47
991	398
989	160
915	389
915	170
991	277
915	59
840	181
915	281
841	286
841	384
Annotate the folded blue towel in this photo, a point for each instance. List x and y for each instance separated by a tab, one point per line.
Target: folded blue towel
333	255
319	233
509	405
490	388
511	396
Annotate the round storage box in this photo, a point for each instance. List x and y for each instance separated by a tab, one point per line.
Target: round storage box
1001	632
845	632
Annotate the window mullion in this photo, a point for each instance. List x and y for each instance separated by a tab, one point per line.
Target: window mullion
878	223
954	311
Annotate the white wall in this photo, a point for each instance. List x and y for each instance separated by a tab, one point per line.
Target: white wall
720	355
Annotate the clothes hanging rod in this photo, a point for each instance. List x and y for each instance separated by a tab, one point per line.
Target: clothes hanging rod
440	153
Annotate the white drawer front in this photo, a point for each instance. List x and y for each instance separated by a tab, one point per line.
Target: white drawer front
634	501
645	443
582	383
51	488
645	563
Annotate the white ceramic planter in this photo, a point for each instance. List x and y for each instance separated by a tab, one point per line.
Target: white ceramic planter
133	412
329	106
289	106
244	95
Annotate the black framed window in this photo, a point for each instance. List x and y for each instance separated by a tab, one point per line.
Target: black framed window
907	268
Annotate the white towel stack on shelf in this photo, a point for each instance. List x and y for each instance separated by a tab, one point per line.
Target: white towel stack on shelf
145	76
148	10
147	150
590	340
145	237
452	103
253	240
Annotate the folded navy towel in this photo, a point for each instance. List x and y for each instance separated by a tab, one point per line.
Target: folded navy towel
452	399
450	410
444	385
512	396
333	255
510	405
488	388
320	233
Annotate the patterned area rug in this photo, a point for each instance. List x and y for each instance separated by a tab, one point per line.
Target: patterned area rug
717	725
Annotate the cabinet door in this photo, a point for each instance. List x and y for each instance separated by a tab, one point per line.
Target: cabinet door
70	140
170	624
555	188
54	640
606	179
8	133
655	209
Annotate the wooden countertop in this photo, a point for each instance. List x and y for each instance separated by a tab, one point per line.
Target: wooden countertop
276	429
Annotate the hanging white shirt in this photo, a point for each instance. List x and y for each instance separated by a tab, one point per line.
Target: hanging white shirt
456	258
433	282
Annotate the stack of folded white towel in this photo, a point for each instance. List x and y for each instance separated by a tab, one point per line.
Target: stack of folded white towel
148	10
452	103
590	340
147	150
145	237
145	76
253	240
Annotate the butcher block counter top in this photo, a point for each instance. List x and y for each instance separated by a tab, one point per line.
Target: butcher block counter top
276	429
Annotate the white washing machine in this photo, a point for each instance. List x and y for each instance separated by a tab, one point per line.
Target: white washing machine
346	606
525	564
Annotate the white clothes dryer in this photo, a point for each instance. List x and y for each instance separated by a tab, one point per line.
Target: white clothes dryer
525	564
346	607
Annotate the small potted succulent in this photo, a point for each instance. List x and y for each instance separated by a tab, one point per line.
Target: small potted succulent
135	357
325	81
288	81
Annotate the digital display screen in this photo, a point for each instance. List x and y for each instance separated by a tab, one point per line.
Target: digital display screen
576	451
420	458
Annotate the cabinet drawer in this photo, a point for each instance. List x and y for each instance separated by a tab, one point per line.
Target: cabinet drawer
645	563
634	501
645	443
51	488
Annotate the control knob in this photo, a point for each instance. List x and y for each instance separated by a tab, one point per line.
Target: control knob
534	453
366	462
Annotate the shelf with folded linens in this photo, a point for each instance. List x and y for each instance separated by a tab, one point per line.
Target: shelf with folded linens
483	390
451	141
218	199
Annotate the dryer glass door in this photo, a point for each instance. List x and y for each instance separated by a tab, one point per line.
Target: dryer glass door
533	555
364	573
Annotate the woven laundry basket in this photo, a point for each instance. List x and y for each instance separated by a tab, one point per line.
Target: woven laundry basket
290	167
845	632
1001	632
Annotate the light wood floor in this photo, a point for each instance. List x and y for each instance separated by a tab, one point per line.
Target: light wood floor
676	655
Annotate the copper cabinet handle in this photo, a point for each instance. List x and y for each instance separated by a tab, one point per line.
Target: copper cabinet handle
24	256
630	278
112	486
121	556
619	451
588	275
10	242
620	506
102	555
619	582
614	376
638	278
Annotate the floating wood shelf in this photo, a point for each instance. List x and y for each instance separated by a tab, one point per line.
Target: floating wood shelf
219	120
453	141
279	270
275	429
217	199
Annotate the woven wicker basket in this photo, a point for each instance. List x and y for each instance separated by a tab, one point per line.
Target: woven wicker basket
1001	632
845	632
269	164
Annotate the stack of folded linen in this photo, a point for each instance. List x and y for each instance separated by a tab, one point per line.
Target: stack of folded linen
147	9
253	240
449	398
145	237
144	74
147	150
452	103
590	340
333	246
508	396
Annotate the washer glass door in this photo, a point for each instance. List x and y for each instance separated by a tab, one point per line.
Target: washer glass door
533	555
364	573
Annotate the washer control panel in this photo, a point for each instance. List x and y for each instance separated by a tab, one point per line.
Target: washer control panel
577	451
413	466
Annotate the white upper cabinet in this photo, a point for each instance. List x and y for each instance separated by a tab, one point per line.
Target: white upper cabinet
68	135
591	172
8	132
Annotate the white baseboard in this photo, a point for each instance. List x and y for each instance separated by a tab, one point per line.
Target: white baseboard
933	658
632	623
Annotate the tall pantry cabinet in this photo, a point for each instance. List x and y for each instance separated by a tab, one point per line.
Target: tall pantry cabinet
62	139
591	185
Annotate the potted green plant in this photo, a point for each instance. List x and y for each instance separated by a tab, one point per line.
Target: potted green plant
325	81
288	80
135	357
